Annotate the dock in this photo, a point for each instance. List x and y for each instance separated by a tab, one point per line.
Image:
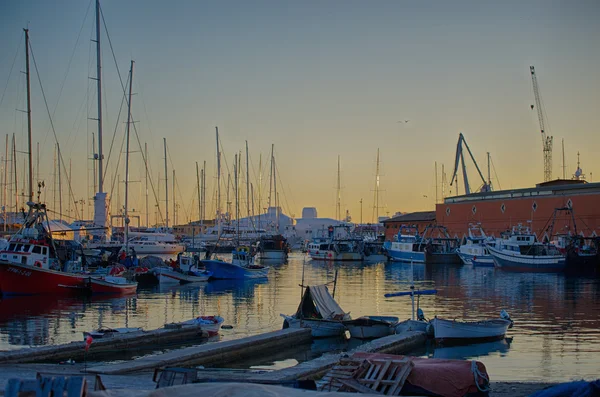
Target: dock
211	353
76	350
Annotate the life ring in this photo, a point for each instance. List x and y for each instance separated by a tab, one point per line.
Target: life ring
37	264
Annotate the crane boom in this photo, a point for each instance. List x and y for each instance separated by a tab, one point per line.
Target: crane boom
546	140
460	158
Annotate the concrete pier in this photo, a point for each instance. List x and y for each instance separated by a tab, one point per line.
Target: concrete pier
212	353
76	350
314	369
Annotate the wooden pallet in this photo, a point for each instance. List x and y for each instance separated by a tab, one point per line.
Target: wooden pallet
375	376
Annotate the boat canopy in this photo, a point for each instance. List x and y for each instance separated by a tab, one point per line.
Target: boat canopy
318	303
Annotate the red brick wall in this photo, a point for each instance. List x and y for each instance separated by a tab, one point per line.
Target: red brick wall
520	210
392	228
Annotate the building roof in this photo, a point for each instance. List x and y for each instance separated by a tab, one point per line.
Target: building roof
420	216
540	190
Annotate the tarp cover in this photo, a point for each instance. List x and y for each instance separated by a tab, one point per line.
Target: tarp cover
220	390
446	378
317	297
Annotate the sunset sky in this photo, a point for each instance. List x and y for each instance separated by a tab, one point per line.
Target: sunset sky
316	79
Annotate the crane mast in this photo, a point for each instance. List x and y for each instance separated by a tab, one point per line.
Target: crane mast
546	140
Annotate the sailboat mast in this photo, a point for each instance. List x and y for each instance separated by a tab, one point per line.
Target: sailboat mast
59	182
146	167
99	91
5	181
127	161
436	184
275	190
218	184
166	186
563	159
14	164
338	214
203	196
29	150
376	200
271	177
247	184
237	197
199	194
259	187
174	203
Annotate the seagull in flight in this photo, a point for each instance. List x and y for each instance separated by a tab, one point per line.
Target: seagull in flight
403	121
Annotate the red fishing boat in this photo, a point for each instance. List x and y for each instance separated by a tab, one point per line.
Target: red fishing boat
34	263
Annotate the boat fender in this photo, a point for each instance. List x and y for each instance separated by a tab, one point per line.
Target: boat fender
37	264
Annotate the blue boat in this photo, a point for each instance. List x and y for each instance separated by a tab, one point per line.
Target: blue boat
408	247
241	266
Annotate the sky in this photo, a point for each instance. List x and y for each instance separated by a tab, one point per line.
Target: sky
315	79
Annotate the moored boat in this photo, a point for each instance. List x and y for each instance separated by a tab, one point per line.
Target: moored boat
272	247
106	332
210	324
112	285
371	327
475	248
452	331
408	246
520	252
241	266
318	311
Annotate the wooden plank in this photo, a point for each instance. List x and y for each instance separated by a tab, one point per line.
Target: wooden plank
353	385
381	374
401	378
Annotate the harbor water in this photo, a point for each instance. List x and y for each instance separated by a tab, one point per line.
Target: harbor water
556	336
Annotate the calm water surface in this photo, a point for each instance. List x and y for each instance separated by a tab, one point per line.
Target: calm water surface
557	318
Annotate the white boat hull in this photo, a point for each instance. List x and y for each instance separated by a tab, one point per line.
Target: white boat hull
319	328
447	330
168	276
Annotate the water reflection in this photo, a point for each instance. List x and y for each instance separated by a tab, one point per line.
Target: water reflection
556	332
475	351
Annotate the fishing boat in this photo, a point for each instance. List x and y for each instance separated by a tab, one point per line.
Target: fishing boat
371	327
210	324
106	332
519	251
272	247
408	247
475	248
241	266
34	263
374	251
186	270
452	331
318	311
441	249
337	246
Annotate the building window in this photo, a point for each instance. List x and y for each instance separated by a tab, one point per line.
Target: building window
570	204
474	210
502	208
534	206
447	211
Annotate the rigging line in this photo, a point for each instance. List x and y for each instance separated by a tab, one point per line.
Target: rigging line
185	210
495	174
115	175
10	73
52	125
125	99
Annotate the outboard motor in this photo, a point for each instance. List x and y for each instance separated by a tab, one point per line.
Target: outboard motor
421	315
504	315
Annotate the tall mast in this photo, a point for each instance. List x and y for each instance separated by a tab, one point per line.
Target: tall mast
338	214
436	184
489	173
174	203
218	183
146	167
14	164
203	196
259	187
199	194
5	182
563	160
59	182
228	202
237	197
271	177
252	195
376	200
29	150
247	184
37	166
99	90
275	191
166	186
93	162
127	162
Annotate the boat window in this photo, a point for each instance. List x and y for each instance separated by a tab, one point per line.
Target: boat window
37	249
11	247
19	248
44	250
26	248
